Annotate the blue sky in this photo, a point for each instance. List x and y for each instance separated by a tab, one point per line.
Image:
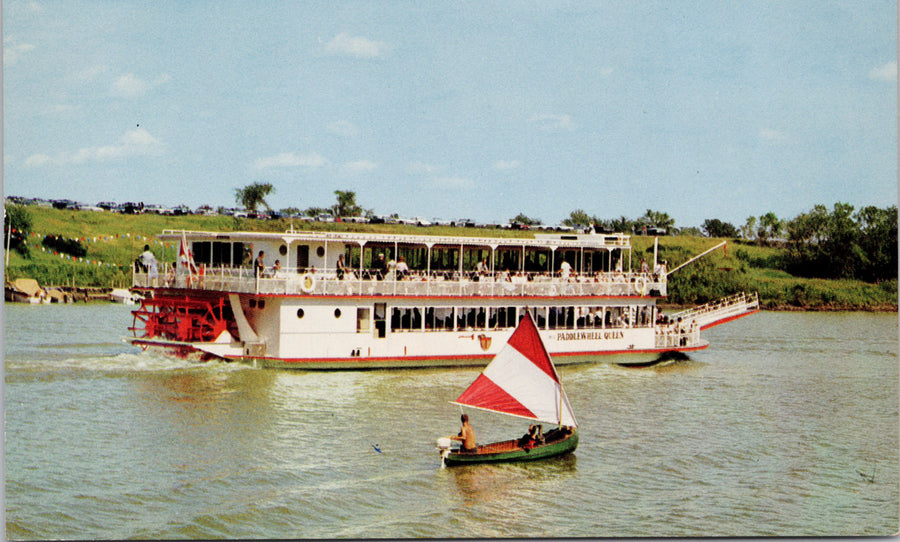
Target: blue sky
701	109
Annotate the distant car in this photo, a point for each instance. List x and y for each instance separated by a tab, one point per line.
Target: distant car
377	220
419	221
107	205
464	223
64	204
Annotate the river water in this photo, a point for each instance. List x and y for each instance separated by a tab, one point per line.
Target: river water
767	432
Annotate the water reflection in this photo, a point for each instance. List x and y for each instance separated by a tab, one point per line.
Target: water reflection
484	484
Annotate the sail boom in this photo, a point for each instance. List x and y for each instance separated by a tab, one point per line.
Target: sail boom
533	418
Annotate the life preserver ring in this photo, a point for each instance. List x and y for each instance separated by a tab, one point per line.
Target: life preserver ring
307	283
640	285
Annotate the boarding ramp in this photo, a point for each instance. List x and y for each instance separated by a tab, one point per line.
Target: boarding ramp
720	311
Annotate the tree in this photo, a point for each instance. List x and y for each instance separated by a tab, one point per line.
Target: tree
346	204
579	218
657	219
252	196
770	227
622	224
716	228
521	218
18	218
748	230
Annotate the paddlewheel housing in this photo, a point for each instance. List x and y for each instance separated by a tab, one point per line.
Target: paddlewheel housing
180	318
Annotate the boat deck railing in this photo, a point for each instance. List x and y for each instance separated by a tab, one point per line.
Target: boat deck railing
677	334
721	309
419	283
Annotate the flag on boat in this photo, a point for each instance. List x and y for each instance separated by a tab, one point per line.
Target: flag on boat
185	257
521	381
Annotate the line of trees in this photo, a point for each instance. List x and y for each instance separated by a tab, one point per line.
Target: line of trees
253	196
650	219
843	243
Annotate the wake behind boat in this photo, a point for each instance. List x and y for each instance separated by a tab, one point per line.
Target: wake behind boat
520	381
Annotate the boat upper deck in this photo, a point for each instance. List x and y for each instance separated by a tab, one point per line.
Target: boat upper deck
361	264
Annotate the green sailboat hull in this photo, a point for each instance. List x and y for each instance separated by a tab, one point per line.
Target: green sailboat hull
509	451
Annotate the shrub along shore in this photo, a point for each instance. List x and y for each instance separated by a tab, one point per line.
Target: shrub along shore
93	248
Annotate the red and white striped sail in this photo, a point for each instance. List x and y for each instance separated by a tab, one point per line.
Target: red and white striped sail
521	381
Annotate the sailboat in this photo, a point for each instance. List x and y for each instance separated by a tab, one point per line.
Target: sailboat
520	381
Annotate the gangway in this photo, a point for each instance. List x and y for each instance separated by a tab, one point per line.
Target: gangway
720	311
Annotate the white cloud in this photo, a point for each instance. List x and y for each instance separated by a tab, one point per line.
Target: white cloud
38	160
290	159
888	72
132	86
343	128
129	86
421	168
59	110
359	166
88	75
357	46
553	123
137	142
13	52
506	165
772	136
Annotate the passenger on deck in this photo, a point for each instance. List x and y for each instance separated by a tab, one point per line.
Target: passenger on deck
259	264
340	269
148	260
381	267
402	268
466	435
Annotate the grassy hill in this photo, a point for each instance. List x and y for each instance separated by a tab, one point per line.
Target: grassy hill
113	241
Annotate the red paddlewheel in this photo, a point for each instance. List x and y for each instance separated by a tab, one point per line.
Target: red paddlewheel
179	318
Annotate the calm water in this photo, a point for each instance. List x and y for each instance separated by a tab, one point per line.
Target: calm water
764	433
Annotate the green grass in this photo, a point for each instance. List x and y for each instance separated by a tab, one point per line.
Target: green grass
741	267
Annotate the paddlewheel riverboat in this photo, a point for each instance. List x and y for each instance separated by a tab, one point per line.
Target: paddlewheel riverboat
317	300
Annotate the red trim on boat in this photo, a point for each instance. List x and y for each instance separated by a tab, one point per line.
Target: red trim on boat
726	320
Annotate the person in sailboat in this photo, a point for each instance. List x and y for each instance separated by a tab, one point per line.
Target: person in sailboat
466	435
534	437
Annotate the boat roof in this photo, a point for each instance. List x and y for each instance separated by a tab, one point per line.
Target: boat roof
591	240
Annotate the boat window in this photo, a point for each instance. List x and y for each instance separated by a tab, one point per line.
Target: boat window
438	318
380	322
502	317
200	250
240	254
299	313
590	317
406	319
337	313
362	319
561	318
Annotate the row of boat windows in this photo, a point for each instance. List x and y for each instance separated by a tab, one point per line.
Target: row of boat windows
238	254
552	317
